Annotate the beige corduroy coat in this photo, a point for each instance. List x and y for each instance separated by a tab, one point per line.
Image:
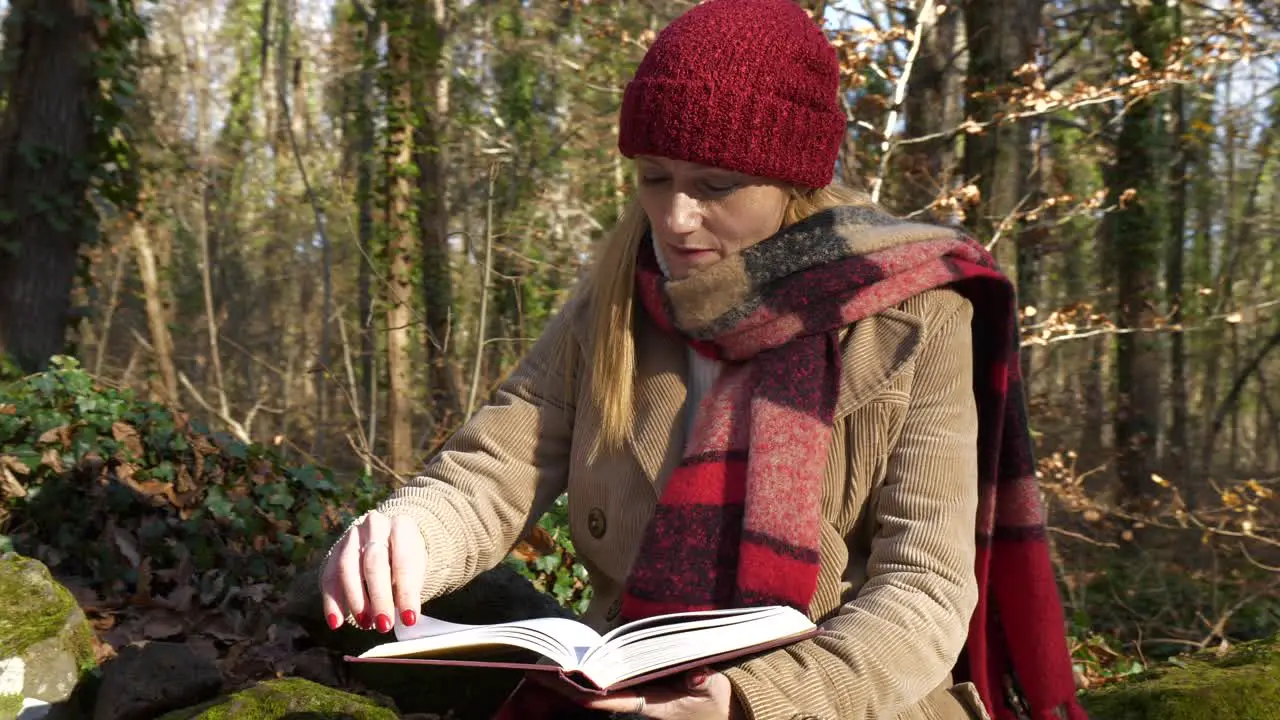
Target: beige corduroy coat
896	586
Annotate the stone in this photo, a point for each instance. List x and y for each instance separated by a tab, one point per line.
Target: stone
317	665
146	680
497	595
287	699
1243	684
46	644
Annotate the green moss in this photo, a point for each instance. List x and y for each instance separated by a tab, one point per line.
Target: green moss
81	639
277	699
10	706
1243	685
34	607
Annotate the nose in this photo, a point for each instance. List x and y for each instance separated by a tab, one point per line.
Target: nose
683	214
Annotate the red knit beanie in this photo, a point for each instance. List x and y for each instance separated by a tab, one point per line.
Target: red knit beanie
744	85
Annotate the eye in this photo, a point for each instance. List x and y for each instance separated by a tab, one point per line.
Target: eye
652	179
718	187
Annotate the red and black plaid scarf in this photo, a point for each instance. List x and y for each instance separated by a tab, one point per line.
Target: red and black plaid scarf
738	520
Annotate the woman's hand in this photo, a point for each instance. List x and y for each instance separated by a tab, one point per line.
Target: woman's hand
703	695
376	568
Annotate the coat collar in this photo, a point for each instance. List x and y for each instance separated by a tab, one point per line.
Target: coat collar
874	351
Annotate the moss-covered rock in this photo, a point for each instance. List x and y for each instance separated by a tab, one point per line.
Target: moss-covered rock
287	698
46	645
10	706
1244	684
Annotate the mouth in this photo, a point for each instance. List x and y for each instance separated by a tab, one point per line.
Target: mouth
689	252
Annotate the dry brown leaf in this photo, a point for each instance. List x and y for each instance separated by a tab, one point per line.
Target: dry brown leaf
224	628
53	459
125	472
9	485
162	624
86	597
185	482
127	435
127	546
181	599
61	434
8	409
257	592
157	491
14	464
201	445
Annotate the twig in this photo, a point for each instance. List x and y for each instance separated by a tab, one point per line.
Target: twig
1255	562
484	293
926	14
375	461
1083	538
350	368
1240	310
1219	628
353	401
1200	525
104	334
1007	222
1037	340
240	431
206	279
1172	641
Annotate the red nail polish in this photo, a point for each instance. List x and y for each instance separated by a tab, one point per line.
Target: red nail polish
333	621
408	617
384	623
363	619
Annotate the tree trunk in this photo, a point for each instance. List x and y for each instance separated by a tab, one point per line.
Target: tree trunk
365	203
1002	37
45	131
932	106
400	237
161	340
1208	200
1177	449
431	100
1137	230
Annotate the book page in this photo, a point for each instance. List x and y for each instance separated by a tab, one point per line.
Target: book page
561	640
687	620
647	649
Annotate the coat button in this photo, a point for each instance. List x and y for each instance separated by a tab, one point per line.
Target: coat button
596	523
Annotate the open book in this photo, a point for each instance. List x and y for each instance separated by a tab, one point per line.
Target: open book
631	654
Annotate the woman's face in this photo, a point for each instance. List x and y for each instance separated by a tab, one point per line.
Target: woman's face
700	214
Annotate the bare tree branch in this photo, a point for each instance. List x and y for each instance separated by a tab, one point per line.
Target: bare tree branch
925	15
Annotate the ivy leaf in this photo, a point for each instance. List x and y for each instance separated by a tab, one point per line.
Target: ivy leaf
310	526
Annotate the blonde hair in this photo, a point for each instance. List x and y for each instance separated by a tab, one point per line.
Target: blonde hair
610	291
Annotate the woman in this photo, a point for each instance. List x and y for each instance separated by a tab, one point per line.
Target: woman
767	391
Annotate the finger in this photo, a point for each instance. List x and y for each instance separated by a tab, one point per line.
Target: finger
698	692
408	567
346	562
621	702
331	595
695	681
375	562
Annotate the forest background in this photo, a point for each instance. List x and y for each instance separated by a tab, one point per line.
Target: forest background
260	257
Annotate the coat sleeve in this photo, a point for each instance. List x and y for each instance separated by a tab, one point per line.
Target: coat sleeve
501	470
899	637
